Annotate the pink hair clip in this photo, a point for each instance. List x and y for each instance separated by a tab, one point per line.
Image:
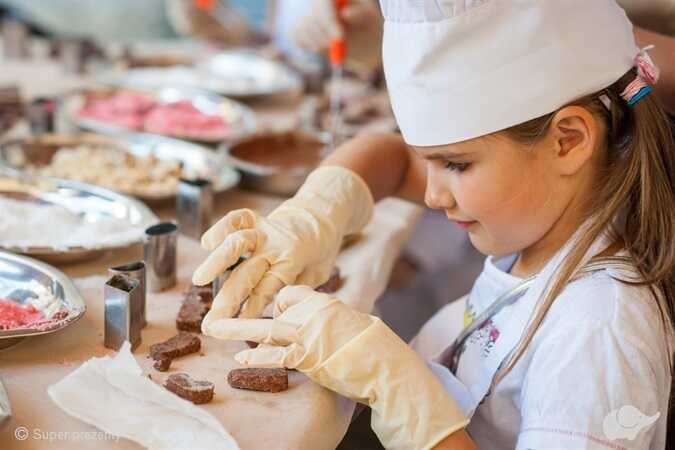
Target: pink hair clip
647	76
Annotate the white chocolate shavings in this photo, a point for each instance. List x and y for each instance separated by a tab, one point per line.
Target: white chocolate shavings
28	224
45	301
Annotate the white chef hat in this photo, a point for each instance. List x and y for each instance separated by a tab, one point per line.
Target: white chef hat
460	69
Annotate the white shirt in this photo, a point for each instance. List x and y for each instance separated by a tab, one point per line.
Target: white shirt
600	347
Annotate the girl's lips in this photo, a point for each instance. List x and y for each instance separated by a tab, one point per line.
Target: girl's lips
464	225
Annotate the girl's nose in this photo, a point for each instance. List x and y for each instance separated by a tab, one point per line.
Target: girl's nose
437	194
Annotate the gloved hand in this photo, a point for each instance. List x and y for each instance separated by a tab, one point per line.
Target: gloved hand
362	20
297	243
355	355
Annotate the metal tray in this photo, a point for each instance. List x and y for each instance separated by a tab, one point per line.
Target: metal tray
244	73
240	119
16	274
91	202
236	73
197	161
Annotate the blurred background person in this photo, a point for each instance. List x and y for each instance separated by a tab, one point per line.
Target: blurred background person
236	22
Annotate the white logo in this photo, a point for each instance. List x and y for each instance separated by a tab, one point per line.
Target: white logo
627	422
21	433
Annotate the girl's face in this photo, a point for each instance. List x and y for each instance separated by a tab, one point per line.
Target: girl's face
507	195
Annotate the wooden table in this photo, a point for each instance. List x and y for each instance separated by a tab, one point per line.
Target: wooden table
306	416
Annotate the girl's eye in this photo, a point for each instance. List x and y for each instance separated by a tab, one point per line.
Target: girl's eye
459	167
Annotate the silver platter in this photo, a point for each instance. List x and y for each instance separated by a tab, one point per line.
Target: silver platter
196	161
16	274
234	73
90	202
239	118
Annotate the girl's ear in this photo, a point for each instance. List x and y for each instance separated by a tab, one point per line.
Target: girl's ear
575	134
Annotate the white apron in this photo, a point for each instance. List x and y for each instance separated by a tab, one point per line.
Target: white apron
489	347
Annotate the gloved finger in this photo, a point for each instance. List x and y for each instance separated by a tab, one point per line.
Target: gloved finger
239	219
222	258
316	275
265	331
236	289
272	357
261	296
291	296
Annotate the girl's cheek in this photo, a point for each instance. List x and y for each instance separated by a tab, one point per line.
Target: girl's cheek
481	193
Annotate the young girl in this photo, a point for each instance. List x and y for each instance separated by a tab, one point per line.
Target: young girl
531	125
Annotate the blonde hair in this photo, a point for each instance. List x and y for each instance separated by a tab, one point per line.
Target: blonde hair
637	186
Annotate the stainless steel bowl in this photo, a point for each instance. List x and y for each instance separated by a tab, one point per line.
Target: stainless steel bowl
87	201
272	179
17	275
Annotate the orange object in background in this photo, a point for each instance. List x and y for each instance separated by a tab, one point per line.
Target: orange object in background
338	47
337	53
205	5
338	50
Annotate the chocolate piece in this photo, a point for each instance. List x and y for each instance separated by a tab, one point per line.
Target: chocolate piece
162	364
179	345
184	386
205	293
191	313
262	380
333	283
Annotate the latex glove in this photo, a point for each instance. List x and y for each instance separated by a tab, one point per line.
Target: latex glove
355	355
362	20
653	15
297	243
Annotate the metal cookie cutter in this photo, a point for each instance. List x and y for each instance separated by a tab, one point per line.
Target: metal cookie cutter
218	282
160	256
41	116
122	312
5	409
194	205
73	55
136	271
